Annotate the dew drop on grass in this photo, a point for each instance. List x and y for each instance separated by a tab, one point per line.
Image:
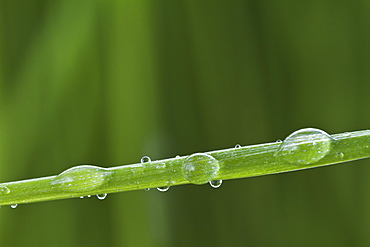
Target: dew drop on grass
347	134
4	190
163	189
200	168
161	166
81	197
145	159
14	205
238	146
215	183
101	196
147	189
340	155
80	178
305	146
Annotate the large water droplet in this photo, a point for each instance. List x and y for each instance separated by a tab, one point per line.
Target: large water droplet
4	190
215	183
14	205
101	196
164	188
305	146
80	178
200	168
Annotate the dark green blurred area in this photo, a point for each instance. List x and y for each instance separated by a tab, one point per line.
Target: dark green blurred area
106	82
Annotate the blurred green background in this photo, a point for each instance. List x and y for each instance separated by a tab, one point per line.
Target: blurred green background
106	82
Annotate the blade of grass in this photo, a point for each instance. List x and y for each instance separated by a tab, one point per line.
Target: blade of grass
306	148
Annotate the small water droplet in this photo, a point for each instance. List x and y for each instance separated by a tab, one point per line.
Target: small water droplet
238	146
200	168
215	183
145	159
164	188
137	184
137	169
279	141
4	190
147	189
81	197
177	156
89	196
340	155
305	146
80	178
14	205
160	166
101	196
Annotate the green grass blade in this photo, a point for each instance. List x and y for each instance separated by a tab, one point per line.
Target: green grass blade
306	148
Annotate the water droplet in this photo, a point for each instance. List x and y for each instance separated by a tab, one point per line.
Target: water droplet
145	159
238	146
279	141
14	205
89	196
160	166
340	155
137	169
305	146
177	156
101	196
164	188
147	189
215	183
81	197
80	178
137	184
200	168
4	190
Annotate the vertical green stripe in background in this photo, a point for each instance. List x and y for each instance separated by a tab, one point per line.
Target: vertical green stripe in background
107	82
131	109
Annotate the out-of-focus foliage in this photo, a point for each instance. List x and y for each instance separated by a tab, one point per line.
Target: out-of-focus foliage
106	82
